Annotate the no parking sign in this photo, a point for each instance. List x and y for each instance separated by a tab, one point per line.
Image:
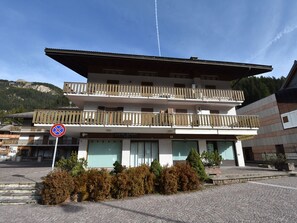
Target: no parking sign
57	130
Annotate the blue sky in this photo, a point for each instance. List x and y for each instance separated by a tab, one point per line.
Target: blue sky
248	31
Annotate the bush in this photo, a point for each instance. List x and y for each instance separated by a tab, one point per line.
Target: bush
118	168
168	180
187	177
73	165
57	187
98	184
195	161
278	161
148	179
156	168
120	185
211	158
80	187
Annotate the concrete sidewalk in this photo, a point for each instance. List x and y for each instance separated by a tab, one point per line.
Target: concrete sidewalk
23	172
231	175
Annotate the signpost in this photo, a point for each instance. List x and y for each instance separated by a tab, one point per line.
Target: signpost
57	130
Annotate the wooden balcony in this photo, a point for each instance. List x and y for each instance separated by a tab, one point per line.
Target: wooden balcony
140	119
8	142
129	91
27	129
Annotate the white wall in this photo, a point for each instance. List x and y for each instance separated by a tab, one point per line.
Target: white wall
239	153
165	152
82	149
126	152
202	145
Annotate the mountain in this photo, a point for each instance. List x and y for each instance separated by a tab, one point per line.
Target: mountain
22	96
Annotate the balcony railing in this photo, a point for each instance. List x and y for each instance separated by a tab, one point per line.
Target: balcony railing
26	129
134	119
152	91
42	142
10	142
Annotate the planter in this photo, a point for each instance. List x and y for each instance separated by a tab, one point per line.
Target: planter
289	166
18	158
213	170
285	166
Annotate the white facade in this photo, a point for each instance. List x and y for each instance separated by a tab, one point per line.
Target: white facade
134	109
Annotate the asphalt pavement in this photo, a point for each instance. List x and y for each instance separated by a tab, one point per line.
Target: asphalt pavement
270	201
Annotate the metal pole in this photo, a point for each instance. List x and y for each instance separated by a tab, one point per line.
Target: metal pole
55	151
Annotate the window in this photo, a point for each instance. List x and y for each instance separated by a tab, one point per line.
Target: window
143	152
182	148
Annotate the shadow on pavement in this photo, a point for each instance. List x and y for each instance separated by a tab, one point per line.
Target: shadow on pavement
141	213
71	208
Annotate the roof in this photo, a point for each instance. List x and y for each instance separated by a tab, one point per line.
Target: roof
290	76
6	128
21	115
84	62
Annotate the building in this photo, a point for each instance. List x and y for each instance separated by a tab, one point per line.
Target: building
31	142
278	123
134	109
7	141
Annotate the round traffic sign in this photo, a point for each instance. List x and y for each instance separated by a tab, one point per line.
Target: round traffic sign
58	130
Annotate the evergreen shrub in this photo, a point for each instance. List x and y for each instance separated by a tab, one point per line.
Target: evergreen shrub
73	165
168	180
187	177
195	161
98	184
57	187
120	185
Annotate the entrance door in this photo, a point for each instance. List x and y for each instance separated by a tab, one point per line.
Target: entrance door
103	153
143	152
226	150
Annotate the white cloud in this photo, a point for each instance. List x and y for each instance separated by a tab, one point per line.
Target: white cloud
275	39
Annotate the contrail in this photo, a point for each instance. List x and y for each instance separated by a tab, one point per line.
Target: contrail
278	36
157	27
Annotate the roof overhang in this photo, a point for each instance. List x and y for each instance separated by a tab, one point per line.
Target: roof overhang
290	76
85	62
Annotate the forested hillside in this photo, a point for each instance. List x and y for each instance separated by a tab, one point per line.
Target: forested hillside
255	88
22	96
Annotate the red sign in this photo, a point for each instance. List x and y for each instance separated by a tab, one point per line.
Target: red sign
58	130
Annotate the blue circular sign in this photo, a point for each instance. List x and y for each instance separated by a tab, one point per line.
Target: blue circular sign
58	130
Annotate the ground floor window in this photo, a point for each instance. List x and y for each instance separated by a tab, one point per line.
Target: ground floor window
225	148
143	152
103	153
182	148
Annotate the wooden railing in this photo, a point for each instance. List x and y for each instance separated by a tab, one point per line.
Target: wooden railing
143	119
152	91
26	129
10	141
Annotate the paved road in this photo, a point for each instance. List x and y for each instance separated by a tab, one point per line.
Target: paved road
270	201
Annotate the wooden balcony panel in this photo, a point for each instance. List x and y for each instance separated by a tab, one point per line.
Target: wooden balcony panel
144	119
152	91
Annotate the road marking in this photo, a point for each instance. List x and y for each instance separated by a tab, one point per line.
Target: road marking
273	185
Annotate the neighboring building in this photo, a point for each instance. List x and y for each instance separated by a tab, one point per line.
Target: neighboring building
33	142
278	123
8	142
134	109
